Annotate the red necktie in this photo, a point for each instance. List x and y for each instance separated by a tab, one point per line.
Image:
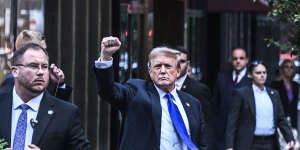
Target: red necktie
235	82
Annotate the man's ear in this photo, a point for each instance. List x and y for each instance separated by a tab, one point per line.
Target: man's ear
14	71
178	72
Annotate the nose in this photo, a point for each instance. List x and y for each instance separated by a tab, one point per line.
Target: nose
163	69
41	71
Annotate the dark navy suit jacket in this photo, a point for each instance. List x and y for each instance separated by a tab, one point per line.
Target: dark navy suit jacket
61	130
222	99
8	83
140	102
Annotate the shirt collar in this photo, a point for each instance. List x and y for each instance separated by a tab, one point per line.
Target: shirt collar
179	82
257	89
163	93
34	103
241	74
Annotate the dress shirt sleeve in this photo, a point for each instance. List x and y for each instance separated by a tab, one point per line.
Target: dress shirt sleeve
103	64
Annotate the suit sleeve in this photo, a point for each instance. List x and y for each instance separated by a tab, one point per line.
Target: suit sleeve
61	93
64	93
203	137
232	120
282	122
76	138
7	83
113	92
216	96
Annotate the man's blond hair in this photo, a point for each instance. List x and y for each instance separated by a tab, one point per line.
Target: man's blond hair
28	36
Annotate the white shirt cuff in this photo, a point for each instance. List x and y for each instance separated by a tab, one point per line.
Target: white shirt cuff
63	86
103	64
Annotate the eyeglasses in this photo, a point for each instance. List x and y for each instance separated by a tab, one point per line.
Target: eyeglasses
34	66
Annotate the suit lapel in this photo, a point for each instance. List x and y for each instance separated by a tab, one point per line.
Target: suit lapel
188	110
251	100
185	83
45	114
156	110
5	111
271	93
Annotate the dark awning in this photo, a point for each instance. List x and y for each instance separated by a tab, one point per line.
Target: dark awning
237	5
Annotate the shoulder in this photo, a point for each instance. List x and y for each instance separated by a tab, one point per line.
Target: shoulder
276	83
245	89
138	83
196	84
272	90
224	76
295	83
188	97
60	104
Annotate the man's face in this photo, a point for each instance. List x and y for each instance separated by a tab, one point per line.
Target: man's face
32	72
163	72
259	75
184	63
239	60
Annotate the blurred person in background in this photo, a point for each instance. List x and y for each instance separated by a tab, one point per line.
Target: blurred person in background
255	114
198	90
57	87
222	94
289	93
288	89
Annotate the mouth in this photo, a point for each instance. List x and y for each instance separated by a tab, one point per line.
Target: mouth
38	81
163	78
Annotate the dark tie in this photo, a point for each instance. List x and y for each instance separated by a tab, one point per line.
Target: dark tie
179	124
20	134
235	82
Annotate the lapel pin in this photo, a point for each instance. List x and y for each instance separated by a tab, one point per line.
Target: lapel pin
33	122
50	112
187	104
272	92
184	86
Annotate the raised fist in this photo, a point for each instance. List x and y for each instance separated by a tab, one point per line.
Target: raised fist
109	46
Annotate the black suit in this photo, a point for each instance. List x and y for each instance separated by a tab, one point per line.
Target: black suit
202	93
242	119
61	130
290	109
8	83
222	98
140	102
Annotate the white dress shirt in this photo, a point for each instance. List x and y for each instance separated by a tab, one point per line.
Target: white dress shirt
241	74
179	82
264	112
32	112
169	139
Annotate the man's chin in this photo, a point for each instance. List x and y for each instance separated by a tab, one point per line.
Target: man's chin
37	90
164	86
